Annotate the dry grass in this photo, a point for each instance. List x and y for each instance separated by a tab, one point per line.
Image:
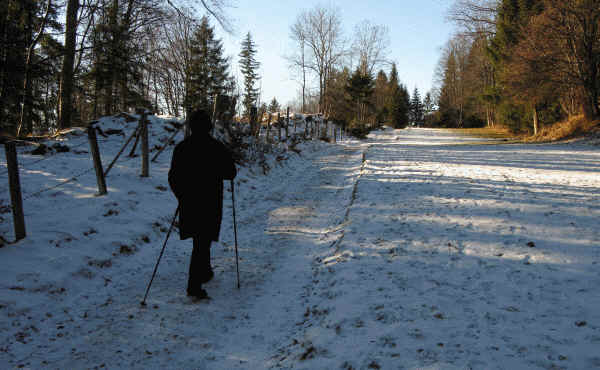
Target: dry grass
575	127
484	132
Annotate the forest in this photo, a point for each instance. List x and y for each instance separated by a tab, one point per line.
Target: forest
516	64
521	64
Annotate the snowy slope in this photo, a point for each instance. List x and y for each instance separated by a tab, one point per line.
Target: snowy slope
413	249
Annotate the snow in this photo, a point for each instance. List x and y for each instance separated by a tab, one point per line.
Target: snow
415	248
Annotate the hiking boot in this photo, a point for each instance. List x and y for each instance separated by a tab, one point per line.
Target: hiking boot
198	294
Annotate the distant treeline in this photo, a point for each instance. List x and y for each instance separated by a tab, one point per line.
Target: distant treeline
519	63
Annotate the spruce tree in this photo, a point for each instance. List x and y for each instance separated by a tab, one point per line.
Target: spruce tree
249	67
398	102
360	87
207	74
274	106
381	98
416	107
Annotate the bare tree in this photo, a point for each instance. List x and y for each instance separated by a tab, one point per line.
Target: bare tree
297	60
216	8
174	60
326	44
371	46
475	17
451	77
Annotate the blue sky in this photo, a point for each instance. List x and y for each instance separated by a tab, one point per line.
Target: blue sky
418	30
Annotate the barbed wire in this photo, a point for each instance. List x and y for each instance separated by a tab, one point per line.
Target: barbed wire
27	166
58	185
71	179
68	180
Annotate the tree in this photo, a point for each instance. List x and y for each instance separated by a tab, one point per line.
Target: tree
207	70
323	37
564	48
416	107
338	99
298	61
399	100
476	18
381	97
452	81
360	87
249	68
36	18
274	106
66	92
371	46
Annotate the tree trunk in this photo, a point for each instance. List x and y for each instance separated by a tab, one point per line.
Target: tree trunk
27	102
591	111
66	105
112	62
535	121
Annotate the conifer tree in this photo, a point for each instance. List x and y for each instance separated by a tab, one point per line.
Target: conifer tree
249	67
416	107
380	97
360	87
399	101
274	106
207	72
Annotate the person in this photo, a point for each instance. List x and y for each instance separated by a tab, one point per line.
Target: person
198	167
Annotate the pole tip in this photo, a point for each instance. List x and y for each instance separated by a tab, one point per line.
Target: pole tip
143	303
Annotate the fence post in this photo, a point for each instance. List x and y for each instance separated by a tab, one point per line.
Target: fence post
145	148
287	123
97	161
279	124
14	183
333	126
268	126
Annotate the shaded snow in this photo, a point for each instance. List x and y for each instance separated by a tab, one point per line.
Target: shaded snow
402	251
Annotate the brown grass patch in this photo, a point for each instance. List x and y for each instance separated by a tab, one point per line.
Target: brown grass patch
572	128
497	132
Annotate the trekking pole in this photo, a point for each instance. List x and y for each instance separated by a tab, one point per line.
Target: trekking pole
143	302
237	266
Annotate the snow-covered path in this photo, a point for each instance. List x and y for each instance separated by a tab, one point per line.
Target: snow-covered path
413	249
463	256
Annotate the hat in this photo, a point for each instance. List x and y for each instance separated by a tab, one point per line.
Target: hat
199	121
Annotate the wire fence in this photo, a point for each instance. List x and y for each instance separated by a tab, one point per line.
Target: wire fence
28	167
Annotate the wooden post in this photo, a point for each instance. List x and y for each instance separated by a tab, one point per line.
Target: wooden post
287	123
268	126
14	183
279	124
95	151
333	126
295	123
145	148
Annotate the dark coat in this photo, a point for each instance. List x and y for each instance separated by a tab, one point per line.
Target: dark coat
198	168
